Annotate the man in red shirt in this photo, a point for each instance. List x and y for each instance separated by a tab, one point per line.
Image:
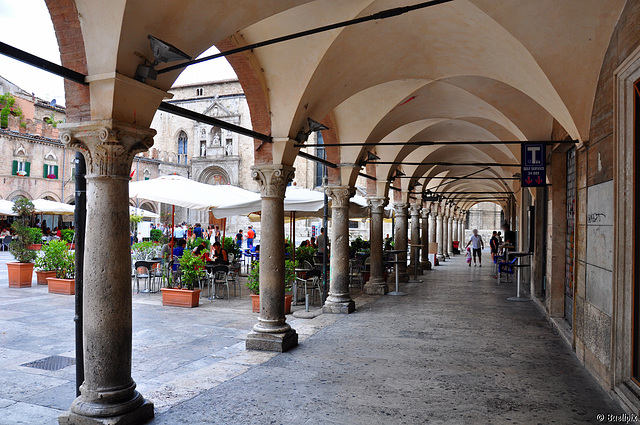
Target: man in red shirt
250	236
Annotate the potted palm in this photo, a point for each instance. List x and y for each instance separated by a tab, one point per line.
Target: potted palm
185	295
21	270
53	258
64	282
253	283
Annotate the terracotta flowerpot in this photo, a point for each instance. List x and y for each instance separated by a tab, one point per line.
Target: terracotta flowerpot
20	274
61	286
42	276
287	304
35	247
255	303
180	297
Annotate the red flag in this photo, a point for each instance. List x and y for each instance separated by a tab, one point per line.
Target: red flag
132	173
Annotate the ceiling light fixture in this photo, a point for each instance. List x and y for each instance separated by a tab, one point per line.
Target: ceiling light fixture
162	52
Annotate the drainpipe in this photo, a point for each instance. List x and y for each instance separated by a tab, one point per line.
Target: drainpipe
80	215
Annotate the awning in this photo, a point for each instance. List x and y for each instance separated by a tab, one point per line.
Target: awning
296	199
143	213
182	192
44	206
6	207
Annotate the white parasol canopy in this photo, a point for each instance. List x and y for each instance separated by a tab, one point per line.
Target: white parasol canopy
6	207
143	213
44	206
296	199
182	192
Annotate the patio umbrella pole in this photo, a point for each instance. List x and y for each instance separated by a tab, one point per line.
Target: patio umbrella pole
293	235
80	215
325	223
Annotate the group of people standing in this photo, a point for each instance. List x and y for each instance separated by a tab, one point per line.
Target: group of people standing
496	243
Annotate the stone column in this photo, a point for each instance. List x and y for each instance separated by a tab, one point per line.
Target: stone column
376	284
108	393
425	263
450	235
415	239
401	234
440	235
272	333
461	231
432	229
339	299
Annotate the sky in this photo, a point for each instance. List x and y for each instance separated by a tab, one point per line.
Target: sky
26	24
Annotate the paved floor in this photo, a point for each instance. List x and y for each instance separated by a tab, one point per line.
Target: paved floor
453	351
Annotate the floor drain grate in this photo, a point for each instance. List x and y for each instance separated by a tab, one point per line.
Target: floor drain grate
52	363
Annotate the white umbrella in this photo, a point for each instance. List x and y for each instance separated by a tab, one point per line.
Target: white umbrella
180	191
44	206
6	207
143	213
296	199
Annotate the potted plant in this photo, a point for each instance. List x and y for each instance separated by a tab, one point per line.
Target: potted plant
253	283
21	270
305	253
64	283
68	235
53	258
36	238
185	295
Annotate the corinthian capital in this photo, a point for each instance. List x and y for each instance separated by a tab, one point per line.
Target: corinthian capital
400	209
108	145
377	204
340	195
272	179
415	210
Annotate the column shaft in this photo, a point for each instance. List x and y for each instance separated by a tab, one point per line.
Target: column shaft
440	236
425	263
339	299
272	333
108	393
401	235
376	284
450	236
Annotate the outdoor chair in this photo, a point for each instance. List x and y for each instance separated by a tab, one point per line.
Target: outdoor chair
233	278
507	267
355	274
220	280
313	285
5	243
175	275
307	265
367	264
143	271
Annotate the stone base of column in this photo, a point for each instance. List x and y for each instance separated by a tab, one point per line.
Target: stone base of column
411	269
278	342
346	307
441	257
140	415
426	265
376	287
451	254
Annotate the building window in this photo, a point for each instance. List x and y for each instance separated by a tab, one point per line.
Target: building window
50	171
21	168
199	92
320	153
182	148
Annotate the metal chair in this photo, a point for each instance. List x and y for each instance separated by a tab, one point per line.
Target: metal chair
220	279
142	270
355	274
313	285
5	243
232	277
507	267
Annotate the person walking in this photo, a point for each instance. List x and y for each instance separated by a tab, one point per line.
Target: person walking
494	243
477	245
251	234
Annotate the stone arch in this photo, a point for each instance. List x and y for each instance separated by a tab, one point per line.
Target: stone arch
148	206
50	196
66	25
257	98
18	194
215	175
50	156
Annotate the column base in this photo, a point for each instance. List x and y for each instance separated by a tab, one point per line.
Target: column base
441	257
411	269
426	265
140	415
345	307
451	254
278	342
376	287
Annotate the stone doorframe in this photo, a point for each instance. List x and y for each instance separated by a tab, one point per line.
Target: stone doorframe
623	280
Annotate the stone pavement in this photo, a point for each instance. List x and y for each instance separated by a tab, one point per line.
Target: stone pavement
453	351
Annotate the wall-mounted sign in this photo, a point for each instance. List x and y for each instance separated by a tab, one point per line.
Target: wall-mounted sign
534	165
